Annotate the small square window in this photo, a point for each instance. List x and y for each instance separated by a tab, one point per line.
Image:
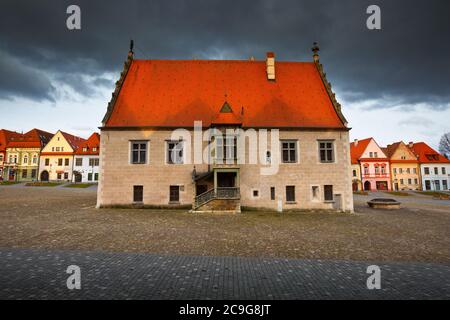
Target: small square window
255	193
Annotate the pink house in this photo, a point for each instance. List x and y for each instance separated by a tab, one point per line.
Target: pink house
375	171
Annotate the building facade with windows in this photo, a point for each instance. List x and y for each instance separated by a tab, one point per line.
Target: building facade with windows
23	154
87	160
374	165
181	133
56	160
405	171
5	137
434	167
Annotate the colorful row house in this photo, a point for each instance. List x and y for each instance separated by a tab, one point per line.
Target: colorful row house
42	156
21	160
70	158
398	167
374	168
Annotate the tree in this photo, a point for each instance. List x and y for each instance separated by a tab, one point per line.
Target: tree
444	145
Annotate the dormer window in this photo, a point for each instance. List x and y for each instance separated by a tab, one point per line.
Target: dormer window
84	149
94	149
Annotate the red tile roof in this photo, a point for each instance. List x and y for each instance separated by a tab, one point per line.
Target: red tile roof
6	136
34	138
356	150
92	142
163	93
74	141
427	154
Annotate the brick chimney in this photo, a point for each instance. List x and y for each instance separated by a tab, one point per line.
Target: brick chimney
270	66
410	144
355	142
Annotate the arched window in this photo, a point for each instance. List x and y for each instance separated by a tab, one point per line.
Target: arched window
25	159
35	159
377	169
268	157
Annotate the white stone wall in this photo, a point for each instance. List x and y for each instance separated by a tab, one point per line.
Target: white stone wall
433	177
118	176
85	168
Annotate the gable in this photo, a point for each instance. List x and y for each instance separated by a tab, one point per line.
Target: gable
58	141
402	152
373	147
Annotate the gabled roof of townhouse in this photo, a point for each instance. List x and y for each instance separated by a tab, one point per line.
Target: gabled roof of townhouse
426	154
392	148
86	147
175	93
35	138
73	140
357	148
6	136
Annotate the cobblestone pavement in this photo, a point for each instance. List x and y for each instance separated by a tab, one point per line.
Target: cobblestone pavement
41	274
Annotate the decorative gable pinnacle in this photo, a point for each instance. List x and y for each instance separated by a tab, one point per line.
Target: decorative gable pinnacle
327	84
119	83
226	108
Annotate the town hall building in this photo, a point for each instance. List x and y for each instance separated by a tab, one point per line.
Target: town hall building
181	134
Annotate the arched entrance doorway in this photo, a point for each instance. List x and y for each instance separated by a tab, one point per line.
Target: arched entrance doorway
367	186
44	175
77	177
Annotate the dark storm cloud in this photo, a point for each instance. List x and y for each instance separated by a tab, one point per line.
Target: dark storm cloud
404	63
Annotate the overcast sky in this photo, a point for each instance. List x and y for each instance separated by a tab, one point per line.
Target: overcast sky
393	83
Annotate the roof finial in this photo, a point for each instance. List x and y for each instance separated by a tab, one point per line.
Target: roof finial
315	49
131	53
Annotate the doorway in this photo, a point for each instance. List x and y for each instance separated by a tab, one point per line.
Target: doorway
44	175
367	186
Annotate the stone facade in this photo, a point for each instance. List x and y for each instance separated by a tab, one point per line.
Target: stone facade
309	176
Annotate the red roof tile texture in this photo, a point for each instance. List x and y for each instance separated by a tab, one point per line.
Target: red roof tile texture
34	138
91	146
6	136
427	154
357	149
165	93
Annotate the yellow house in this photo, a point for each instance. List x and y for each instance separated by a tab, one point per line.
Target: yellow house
356	177
22	155
405	172
56	161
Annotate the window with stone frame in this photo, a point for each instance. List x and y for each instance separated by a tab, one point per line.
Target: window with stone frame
79	162
290	193
175	152
289	151
174	194
326	151
328	192
139	151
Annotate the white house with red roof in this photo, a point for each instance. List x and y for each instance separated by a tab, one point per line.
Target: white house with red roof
56	160
374	165
220	135
434	167
87	160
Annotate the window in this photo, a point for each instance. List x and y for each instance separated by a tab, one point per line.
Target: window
226	148
377	169
138	193
47	161
376	154
436	171
57	149
416	181
290	193
401	181
96	176
53	148
443	170
1	158
84	149
395	170
354	173
25	160
174	194
328	192
437	184
24	173
272	193
383	170
444	185
400	170
366	170
426	170
138	152
59	176
415	170
94	149
62	148
408	170
326	151
60	162
370	154
427	185
90	176
94	162
33	173
289	150
315	192
66	162
66	175
268	157
79	162
35	159
409	181
175	152
255	193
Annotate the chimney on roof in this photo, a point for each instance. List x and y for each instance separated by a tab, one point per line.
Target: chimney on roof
315	49
270	66
410	144
355	142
